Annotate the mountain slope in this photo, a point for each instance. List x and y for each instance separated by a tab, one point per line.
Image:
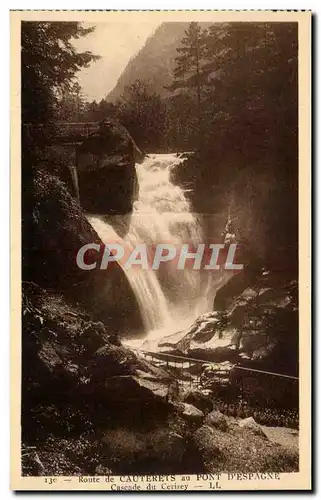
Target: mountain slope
155	62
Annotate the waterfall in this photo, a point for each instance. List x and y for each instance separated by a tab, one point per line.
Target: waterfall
171	299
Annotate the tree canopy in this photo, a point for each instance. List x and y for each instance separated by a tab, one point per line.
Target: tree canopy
246	79
49	62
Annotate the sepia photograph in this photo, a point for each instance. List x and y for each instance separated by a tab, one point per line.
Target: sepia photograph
161	205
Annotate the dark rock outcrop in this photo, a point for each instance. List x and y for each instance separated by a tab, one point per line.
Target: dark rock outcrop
106	170
54	230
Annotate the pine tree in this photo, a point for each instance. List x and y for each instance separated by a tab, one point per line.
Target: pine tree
188	70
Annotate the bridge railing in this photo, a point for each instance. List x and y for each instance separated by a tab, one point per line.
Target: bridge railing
187	371
63	130
261	387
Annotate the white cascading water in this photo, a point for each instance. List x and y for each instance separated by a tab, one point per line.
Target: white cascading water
161	214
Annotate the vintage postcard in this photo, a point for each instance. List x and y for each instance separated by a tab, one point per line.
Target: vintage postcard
160	250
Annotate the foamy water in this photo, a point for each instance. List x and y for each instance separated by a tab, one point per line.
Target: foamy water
162	214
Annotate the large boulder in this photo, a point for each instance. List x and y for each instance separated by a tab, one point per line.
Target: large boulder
106	170
109	361
250	424
190	413
134	388
260	330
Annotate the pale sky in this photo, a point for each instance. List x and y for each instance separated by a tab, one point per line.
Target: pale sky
116	43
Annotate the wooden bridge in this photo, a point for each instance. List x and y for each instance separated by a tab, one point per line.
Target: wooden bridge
190	371
62	132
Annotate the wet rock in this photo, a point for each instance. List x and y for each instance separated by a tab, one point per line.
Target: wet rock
86	392
101	470
215	377
166	344
208	338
